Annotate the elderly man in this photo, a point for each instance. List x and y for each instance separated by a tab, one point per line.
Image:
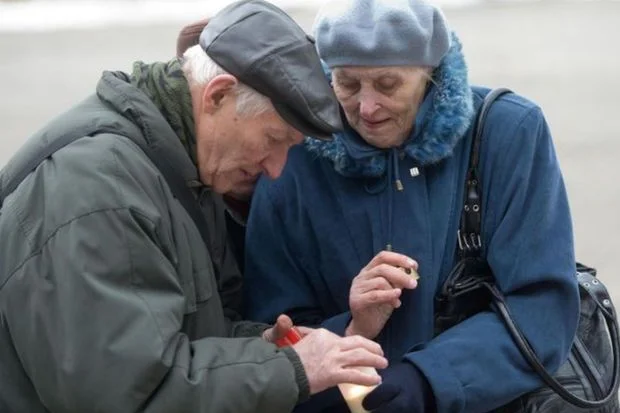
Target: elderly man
118	292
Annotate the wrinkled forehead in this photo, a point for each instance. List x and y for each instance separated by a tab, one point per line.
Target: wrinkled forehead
272	124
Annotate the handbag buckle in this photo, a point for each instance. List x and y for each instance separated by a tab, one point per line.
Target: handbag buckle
469	241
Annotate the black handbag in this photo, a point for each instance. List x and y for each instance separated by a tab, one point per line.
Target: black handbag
589	379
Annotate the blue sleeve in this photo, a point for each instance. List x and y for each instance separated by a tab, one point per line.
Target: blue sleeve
277	278
475	366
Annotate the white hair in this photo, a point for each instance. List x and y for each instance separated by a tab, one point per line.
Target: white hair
200	69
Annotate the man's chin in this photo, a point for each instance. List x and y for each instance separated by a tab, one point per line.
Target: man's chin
244	197
241	192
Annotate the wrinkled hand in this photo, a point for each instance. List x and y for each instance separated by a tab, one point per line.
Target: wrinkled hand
403	390
281	327
329	359
376	290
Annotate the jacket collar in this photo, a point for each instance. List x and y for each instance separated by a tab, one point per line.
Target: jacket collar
115	89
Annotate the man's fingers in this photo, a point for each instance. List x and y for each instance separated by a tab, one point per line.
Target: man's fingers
330	359
355	376
360	357
353	342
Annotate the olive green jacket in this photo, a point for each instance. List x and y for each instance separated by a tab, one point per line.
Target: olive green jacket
109	300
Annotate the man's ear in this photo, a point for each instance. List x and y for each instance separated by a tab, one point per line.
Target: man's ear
221	87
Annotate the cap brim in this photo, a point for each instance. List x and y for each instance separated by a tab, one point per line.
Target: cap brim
301	124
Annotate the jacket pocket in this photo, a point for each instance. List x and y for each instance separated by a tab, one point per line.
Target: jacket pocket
199	285
195	269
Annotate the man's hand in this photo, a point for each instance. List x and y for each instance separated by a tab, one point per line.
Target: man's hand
375	292
281	327
329	359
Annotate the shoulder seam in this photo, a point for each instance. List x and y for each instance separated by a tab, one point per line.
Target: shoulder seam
51	235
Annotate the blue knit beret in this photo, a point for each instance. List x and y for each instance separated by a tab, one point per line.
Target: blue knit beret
381	33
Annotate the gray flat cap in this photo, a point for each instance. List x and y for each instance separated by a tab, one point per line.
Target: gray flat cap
267	50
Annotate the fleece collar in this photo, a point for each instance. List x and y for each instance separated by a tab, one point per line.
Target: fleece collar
443	119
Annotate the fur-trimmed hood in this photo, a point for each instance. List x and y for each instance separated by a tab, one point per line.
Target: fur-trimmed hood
443	119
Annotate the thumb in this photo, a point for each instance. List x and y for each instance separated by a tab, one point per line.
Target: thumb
281	327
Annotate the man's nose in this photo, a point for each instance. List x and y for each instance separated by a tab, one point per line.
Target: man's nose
274	163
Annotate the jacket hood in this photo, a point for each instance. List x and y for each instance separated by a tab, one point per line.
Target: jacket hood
442	120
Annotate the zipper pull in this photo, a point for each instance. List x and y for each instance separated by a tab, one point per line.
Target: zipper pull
399	185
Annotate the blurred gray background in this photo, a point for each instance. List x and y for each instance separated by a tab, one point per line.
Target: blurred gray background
562	54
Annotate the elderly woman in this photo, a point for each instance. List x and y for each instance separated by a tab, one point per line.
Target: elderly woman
325	240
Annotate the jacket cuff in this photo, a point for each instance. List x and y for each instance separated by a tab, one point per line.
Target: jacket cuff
300	374
249	329
338	324
441	376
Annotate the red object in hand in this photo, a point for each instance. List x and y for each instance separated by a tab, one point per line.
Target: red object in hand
291	337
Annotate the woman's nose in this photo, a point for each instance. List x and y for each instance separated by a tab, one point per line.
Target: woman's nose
368	106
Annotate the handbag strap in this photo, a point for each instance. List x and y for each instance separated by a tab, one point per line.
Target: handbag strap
469	235
470	245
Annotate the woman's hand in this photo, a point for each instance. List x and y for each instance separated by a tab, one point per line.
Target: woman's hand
376	290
